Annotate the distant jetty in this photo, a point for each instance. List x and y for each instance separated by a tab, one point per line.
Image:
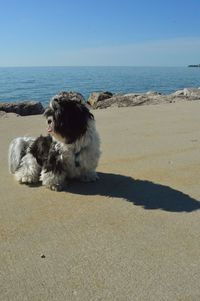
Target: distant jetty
198	65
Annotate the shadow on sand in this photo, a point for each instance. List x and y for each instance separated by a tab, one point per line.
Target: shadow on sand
143	193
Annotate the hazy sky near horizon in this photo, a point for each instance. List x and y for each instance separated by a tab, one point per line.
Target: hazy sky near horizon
99	32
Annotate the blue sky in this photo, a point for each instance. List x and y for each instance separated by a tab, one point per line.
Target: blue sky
99	32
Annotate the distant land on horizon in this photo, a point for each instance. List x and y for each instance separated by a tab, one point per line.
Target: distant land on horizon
197	65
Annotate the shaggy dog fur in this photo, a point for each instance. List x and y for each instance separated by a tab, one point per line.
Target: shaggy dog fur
72	149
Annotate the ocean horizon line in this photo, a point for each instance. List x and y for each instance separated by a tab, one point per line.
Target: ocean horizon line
93	66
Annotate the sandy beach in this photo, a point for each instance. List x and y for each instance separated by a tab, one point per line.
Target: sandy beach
132	236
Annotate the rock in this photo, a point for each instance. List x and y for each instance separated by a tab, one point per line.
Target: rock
131	99
129	94
138	99
190	92
153	93
96	97
23	108
178	93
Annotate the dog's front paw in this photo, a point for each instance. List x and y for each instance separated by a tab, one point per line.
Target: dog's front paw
52	181
55	187
26	179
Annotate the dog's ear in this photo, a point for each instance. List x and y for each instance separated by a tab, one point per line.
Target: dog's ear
54	110
48	112
57	114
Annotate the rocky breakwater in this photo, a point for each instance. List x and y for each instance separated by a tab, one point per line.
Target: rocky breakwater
22	108
103	100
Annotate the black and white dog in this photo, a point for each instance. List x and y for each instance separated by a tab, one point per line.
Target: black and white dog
71	150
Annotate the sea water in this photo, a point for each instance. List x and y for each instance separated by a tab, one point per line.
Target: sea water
41	83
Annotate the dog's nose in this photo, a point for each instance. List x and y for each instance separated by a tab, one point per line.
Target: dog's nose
49	121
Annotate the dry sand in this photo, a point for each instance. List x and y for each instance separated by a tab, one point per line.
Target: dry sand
133	235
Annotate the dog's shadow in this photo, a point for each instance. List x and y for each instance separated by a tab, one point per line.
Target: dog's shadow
143	193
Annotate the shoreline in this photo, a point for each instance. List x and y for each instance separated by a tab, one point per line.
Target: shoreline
105	99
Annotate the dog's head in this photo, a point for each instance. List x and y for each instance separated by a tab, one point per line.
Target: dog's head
67	117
